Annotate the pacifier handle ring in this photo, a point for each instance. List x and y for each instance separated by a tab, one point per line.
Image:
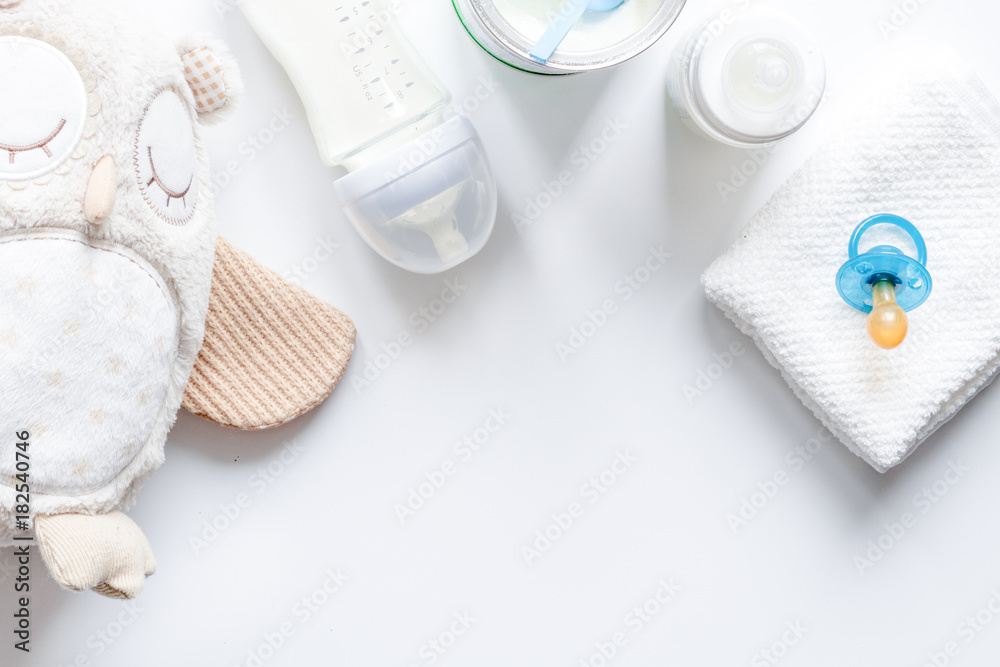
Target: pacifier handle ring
889	219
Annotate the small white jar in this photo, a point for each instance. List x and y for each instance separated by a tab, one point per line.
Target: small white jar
747	78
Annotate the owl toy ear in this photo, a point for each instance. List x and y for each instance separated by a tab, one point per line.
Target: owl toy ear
272	351
213	76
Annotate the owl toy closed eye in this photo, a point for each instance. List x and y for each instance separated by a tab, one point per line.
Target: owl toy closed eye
118	301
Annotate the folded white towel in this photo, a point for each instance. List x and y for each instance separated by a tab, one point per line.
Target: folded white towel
926	146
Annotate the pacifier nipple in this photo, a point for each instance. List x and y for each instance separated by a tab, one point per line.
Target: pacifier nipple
884	282
887	322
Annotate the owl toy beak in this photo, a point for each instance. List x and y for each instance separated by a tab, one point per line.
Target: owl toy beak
99	200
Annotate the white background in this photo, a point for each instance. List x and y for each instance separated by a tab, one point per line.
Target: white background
333	506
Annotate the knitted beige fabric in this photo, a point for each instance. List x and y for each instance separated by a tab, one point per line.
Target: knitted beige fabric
107	553
272	351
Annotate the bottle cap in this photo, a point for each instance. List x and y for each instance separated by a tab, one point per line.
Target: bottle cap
758	76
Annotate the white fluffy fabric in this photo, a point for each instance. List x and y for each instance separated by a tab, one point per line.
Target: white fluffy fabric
124	63
166	158
52	112
923	145
87	373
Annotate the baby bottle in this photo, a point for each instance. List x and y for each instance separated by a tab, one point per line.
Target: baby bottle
747	77
419	188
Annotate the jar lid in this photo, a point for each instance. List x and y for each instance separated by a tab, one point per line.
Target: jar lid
600	38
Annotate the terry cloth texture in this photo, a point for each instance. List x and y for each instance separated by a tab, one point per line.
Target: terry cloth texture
925	146
272	351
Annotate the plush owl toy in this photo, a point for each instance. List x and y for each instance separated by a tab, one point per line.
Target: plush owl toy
118	302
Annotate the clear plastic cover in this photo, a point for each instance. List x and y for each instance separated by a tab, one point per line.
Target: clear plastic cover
433	217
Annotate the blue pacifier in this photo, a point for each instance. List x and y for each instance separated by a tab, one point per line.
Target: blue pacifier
884	281
560	28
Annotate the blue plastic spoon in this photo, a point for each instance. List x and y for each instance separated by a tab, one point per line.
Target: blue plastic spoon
567	17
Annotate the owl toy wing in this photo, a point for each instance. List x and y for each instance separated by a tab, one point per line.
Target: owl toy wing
272	351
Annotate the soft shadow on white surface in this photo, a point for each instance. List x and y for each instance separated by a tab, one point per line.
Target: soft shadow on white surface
253	531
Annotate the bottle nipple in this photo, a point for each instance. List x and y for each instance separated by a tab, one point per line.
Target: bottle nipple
436	218
887	323
762	74
885	282
774	72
